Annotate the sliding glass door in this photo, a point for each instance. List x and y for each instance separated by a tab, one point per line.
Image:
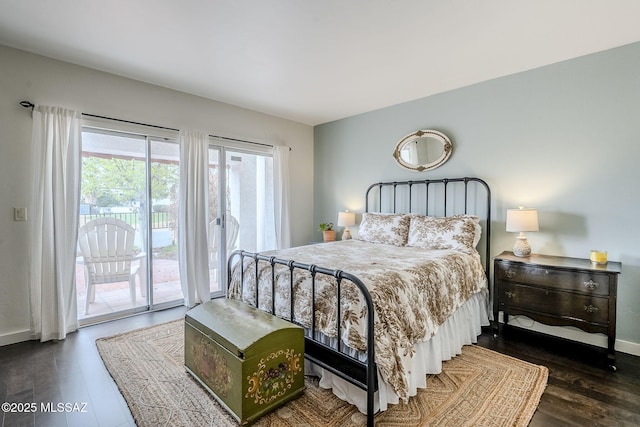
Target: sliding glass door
129	182
164	178
250	194
217	226
130	186
241	216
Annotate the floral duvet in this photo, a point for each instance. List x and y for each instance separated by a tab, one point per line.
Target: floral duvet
413	290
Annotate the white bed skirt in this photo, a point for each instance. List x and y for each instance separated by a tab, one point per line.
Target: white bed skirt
462	328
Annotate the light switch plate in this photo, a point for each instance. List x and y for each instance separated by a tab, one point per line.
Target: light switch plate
19	214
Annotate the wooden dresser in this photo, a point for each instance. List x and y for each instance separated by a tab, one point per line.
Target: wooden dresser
558	291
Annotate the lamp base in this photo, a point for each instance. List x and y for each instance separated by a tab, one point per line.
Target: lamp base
346	235
521	247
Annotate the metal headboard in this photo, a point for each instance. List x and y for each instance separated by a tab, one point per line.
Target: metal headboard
438	197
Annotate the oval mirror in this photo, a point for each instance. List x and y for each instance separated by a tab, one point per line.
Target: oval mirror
423	150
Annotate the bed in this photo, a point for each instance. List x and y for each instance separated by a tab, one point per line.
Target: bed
420	263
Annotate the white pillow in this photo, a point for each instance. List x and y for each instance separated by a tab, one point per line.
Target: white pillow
458	232
390	229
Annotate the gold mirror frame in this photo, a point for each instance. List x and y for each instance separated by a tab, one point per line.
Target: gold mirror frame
423	141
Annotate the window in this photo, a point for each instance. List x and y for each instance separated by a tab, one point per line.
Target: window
247	220
134	179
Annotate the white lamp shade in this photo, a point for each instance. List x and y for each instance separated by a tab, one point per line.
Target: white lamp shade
346	219
522	219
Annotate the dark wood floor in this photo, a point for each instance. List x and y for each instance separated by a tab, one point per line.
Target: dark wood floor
579	391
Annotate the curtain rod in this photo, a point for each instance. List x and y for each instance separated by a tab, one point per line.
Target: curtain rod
29	104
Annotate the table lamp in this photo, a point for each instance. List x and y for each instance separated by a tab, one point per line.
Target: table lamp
346	219
518	221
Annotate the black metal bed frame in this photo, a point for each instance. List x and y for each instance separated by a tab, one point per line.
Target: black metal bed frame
362	374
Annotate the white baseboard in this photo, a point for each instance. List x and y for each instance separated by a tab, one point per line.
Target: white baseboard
15	337
575	334
628	347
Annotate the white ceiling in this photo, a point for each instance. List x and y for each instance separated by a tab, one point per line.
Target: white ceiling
315	61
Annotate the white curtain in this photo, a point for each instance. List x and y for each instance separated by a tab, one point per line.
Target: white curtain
193	221
53	211
281	196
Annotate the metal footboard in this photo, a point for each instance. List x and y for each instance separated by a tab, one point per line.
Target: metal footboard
434	197
334	359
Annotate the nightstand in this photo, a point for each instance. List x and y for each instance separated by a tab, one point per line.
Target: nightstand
558	291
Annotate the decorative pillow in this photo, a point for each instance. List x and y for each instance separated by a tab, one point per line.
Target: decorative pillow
458	232
390	229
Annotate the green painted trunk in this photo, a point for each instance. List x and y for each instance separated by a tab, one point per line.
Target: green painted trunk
251	361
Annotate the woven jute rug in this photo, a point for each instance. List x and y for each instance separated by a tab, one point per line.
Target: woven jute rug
478	388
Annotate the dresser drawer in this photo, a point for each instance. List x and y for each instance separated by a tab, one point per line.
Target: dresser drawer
591	309
576	281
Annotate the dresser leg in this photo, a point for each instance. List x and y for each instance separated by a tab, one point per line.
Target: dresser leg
611	360
611	353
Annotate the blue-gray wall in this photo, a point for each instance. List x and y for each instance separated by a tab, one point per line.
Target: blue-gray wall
564	138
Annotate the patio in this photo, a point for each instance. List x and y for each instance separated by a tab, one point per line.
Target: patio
114	297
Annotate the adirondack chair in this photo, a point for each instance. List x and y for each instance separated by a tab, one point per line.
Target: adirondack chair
106	245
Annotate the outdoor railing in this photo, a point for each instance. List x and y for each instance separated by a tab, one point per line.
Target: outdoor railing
158	219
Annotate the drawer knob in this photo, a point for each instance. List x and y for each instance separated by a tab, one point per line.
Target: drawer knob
591	285
510	274
590	308
510	294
